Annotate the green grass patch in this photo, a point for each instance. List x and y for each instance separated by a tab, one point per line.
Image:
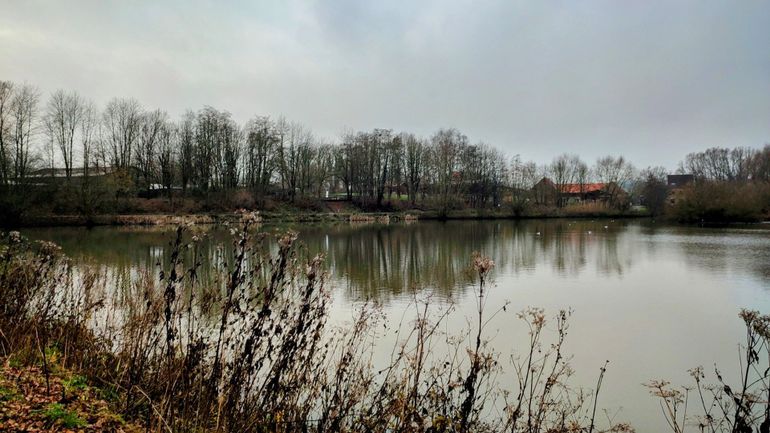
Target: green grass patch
109	393
15	362
7	394
56	413
75	383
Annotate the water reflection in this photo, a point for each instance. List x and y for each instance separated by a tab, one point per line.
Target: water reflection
436	255
384	262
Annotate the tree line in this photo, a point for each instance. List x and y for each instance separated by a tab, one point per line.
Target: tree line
207	152
739	164
730	185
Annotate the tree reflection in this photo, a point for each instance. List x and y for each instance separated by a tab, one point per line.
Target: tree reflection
384	262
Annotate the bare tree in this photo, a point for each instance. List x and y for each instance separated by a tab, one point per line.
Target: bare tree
582	176
229	143
481	170
122	123
90	146
414	164
721	164
261	140
89	124
652	189
6	94
62	118
760	165
615	172
217	150
293	138
544	191
344	163
381	158
24	107
167	137
151	125
397	166
564	170
186	137
447	146
205	164
522	176
323	168
740	163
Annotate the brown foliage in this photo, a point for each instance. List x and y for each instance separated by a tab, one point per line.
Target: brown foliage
711	201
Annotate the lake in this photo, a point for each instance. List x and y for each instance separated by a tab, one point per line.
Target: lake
653	299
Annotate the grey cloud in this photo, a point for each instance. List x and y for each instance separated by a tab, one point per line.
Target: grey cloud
651	80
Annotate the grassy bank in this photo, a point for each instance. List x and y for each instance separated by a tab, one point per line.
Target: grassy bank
32	401
329	215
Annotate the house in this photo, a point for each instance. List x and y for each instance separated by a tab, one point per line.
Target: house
549	193
677	184
121	180
679	180
75	173
544	192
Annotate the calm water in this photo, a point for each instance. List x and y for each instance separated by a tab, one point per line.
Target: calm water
655	300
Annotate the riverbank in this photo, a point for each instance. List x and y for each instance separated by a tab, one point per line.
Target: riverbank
55	399
305	217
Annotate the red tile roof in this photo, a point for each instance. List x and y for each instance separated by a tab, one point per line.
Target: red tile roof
576	188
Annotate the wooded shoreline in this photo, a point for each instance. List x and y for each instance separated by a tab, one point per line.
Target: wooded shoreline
298	217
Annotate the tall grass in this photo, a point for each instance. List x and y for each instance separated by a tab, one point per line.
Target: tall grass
711	403
249	348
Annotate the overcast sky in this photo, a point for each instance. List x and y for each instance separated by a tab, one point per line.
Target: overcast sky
651	80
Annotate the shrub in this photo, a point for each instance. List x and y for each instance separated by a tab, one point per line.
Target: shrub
242	199
708	201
